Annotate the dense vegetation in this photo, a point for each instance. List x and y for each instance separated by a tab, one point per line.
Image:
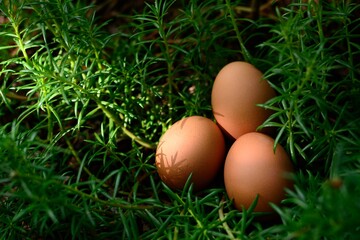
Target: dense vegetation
86	92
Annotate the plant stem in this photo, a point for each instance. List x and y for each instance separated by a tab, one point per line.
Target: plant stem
107	203
243	50
112	117
78	160
225	225
169	61
20	41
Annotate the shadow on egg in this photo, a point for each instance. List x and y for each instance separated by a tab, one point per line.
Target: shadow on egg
171	170
182	123
193	145
218	114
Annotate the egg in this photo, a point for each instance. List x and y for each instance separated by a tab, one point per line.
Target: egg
237	90
194	145
253	168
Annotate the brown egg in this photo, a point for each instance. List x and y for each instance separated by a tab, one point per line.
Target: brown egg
192	145
252	168
237	90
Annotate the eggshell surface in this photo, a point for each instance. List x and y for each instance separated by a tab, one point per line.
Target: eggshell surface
192	145
252	168
237	90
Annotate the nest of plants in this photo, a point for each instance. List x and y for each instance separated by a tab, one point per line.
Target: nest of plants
88	88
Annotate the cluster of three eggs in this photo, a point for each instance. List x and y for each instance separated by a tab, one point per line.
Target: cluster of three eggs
251	165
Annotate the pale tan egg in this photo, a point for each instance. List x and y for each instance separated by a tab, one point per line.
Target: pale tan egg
252	168
237	90
193	145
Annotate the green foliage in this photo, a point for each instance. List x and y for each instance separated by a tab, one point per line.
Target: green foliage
314	67
325	209
82	109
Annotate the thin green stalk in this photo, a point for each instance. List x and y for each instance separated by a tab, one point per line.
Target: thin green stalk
78	160
224	223
19	40
244	51
169	72
319	18
105	202
198	222
113	118
169	59
349	50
